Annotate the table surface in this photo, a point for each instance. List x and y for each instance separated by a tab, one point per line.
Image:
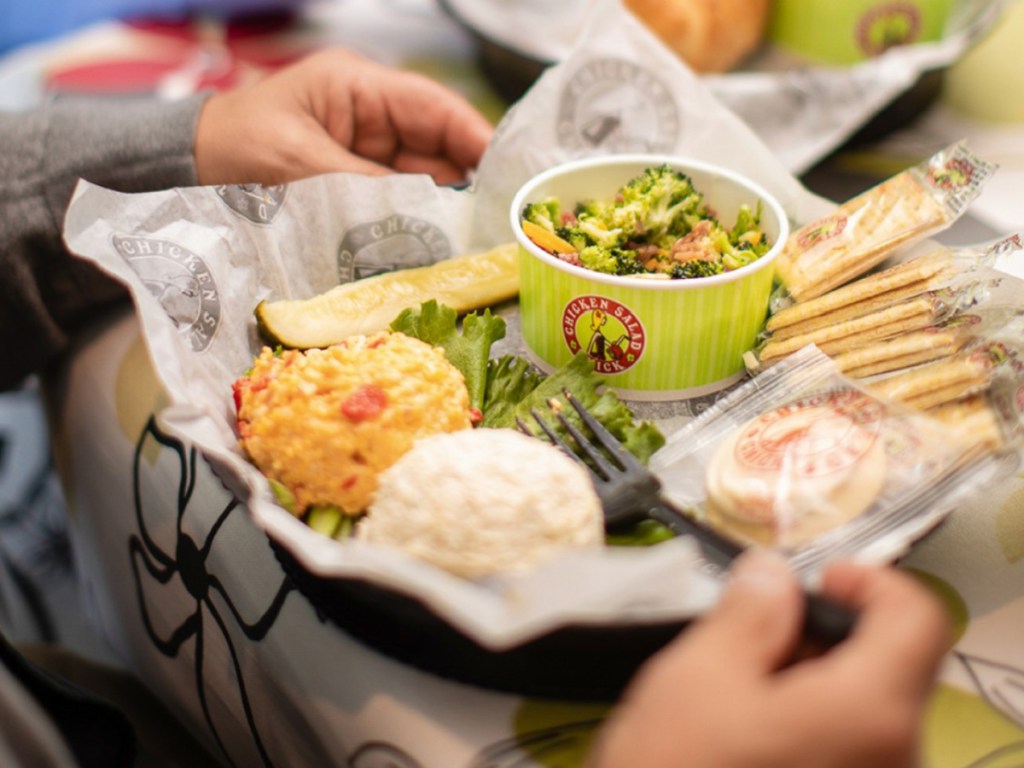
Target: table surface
251	666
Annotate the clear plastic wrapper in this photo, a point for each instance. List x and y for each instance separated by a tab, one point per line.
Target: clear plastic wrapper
918	347
867	229
925	294
809	462
923	311
991	421
969	371
939	267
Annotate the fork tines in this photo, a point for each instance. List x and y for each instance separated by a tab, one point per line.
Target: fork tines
613	459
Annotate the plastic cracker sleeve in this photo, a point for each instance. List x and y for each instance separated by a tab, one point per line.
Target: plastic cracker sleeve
927	386
919	312
969	326
909	274
991	421
938	267
903	351
867	229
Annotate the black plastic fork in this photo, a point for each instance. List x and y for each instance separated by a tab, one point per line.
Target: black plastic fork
630	492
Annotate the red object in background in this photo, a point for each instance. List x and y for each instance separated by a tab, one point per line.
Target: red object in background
175	58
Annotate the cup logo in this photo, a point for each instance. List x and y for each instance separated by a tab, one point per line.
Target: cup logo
888	25
617	106
610	333
389	244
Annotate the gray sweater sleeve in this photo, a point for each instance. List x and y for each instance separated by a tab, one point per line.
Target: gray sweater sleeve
125	144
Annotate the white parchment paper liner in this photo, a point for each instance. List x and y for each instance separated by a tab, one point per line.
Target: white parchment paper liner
198	260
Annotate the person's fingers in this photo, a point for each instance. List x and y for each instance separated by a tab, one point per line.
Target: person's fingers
443	171
381	113
902	631
431	119
756	624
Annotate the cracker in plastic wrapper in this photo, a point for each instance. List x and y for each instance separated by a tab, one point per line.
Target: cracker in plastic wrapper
967	327
902	280
920	312
867	229
969	371
919	302
902	351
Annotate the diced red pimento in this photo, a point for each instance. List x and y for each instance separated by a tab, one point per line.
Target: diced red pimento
475	416
236	391
366	403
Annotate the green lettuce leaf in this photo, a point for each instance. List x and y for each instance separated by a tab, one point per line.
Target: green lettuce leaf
468	350
506	389
577	376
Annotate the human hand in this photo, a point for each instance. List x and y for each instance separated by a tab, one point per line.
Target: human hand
729	694
336	111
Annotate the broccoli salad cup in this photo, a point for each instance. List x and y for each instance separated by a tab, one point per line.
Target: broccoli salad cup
657	224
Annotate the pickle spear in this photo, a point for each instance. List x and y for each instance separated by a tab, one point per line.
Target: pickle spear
464	283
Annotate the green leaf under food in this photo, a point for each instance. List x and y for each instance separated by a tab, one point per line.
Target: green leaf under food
468	349
507	388
642	439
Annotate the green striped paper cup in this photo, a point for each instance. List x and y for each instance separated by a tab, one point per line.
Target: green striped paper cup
652	339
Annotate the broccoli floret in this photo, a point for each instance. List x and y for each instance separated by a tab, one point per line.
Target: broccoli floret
747	221
739	256
613	261
547	213
696	268
658	201
595	209
627	263
598	232
577	239
599	259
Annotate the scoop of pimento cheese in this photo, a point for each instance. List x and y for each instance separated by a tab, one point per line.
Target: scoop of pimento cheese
498	501
326	422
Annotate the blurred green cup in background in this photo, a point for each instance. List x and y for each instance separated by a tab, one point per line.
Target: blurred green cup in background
844	32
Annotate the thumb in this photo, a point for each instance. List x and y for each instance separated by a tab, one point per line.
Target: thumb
757	621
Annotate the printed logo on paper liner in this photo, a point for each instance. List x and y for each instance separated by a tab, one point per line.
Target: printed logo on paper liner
617	106
388	244
610	333
254	202
181	281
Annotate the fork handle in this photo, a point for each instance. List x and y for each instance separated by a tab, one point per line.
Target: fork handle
826	622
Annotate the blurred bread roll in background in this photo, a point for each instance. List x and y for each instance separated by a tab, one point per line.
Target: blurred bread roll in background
709	35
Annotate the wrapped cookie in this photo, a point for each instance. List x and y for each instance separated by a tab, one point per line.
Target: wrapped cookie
802	457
